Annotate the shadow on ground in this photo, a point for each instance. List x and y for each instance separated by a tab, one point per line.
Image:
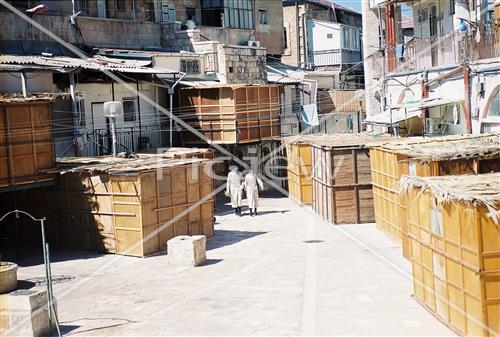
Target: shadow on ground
224	238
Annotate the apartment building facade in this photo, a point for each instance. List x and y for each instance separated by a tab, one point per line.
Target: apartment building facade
322	35
442	79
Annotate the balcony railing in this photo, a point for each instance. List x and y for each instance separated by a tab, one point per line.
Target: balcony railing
452	48
334	57
132	139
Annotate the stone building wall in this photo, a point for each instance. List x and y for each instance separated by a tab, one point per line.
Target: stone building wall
242	65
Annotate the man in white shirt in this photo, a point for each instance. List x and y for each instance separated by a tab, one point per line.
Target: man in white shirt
190	24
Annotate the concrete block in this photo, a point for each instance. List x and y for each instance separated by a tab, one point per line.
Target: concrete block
8	277
187	250
25	313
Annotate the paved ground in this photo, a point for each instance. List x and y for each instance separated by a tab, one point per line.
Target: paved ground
262	278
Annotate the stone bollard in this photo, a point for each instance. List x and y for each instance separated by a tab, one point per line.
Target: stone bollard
24	313
187	250
8	277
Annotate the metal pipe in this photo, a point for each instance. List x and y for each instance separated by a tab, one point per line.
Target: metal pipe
467	102
45	262
138	105
24	85
113	135
171	91
297	29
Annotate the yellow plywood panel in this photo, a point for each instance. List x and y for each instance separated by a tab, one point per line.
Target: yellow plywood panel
465	289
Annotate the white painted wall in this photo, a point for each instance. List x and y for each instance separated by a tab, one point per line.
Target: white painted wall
101	92
318	35
36	82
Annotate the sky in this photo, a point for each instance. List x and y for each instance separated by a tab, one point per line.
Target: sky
354	4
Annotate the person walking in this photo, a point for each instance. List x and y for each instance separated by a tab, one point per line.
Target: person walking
251	185
234	189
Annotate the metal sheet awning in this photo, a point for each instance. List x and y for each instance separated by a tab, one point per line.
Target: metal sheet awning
13	63
407	111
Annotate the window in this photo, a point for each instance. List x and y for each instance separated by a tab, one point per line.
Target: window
351	38
168	13
120	5
329	36
452	7
191	13
128	109
239	14
82	6
494	109
263	19
190	66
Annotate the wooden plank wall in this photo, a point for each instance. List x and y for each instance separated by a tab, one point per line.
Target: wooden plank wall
391	208
26	144
232	115
455	254
299	172
342	189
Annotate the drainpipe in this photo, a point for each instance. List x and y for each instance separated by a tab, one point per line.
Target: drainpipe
171	91
24	85
304	37
297	29
425	112
72	92
467	101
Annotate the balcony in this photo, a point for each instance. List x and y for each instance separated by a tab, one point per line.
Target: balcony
452	48
333	57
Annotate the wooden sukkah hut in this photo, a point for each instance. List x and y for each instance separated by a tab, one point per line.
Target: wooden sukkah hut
231	113
300	168
26	141
341	177
454	231
441	156
131	206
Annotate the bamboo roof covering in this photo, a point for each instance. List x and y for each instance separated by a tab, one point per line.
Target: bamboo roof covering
119	165
339	140
482	189
449	148
32	97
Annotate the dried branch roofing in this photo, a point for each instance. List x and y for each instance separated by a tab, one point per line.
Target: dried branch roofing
120	165
35	97
339	140
449	148
482	189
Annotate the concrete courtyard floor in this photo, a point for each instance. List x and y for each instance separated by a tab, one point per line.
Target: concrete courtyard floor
284	272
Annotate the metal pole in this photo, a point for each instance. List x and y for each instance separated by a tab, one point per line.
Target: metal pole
47	275
170	122
113	134
51	293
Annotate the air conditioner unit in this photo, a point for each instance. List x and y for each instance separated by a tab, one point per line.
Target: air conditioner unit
253	43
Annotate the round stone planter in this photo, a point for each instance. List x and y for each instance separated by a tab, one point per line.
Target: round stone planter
8	277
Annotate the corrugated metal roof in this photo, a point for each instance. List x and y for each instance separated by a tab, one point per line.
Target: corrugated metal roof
65	64
214	84
281	79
